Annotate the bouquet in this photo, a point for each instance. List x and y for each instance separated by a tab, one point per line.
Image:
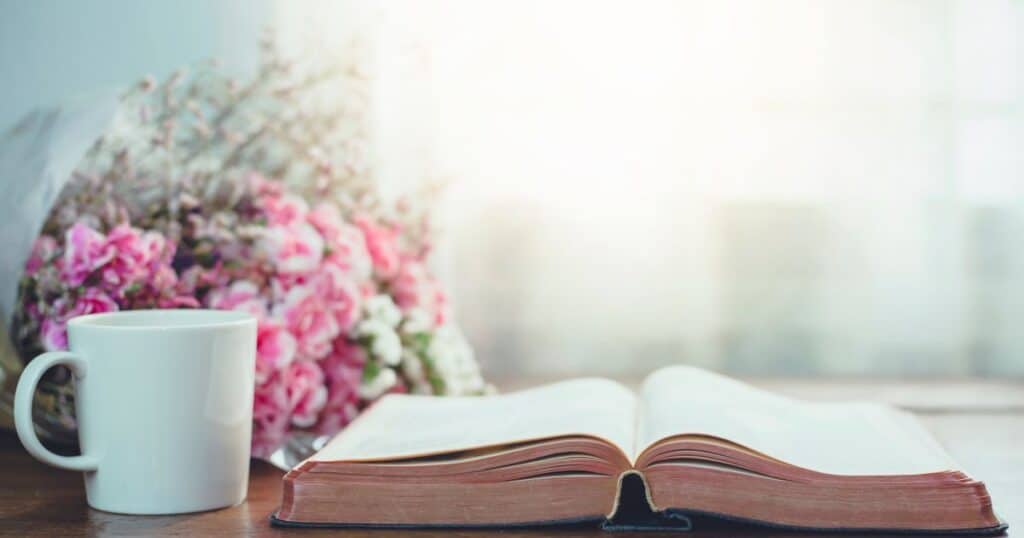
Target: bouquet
207	193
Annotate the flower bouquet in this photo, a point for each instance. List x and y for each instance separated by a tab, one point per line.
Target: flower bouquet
209	193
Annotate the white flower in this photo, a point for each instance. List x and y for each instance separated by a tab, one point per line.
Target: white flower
382	308
417	320
454	362
384	341
381	383
412	367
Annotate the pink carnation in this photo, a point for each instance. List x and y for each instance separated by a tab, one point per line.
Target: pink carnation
343	371
159	250
345	242
85	250
345	362
293	250
242	295
327	220
178	301
342	295
270	414
132	255
275	348
342	405
54	329
54	334
43	250
93	301
350	255
197	277
382	243
173	294
310	319
304	383
163	278
265	187
415	287
284	210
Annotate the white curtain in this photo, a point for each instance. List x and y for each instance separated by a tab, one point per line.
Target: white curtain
791	187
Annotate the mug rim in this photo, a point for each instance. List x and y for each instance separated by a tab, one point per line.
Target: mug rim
206	318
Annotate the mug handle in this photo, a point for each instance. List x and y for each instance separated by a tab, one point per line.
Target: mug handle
23	396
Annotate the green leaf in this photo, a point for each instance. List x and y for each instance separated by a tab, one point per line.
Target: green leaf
370	371
437	384
421	341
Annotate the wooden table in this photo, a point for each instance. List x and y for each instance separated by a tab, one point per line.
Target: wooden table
981	424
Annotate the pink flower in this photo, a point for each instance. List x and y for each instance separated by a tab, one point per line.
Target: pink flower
327	220
54	334
93	301
180	301
132	255
293	250
197	276
308	316
310	273
43	251
382	243
164	278
304	383
275	348
343	370
342	295
415	287
263	186
284	210
345	243
54	329
242	295
270	413
159	251
347	250
342	405
85	250
345	363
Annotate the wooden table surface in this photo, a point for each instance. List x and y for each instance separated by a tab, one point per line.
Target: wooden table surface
981	424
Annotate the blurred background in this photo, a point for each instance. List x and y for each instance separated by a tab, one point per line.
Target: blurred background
764	188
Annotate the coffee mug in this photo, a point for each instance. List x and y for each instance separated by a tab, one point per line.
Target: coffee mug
163	400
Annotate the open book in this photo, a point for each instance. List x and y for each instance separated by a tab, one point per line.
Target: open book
699	444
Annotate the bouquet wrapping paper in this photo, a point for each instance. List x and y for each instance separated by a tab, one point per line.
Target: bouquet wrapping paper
37	157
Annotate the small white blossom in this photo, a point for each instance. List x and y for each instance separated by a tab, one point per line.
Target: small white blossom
412	367
417	320
381	383
454	362
383	309
384	341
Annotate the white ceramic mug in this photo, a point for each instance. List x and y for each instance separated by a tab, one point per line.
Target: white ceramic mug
163	400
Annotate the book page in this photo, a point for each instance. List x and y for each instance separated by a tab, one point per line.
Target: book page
402	425
855	438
